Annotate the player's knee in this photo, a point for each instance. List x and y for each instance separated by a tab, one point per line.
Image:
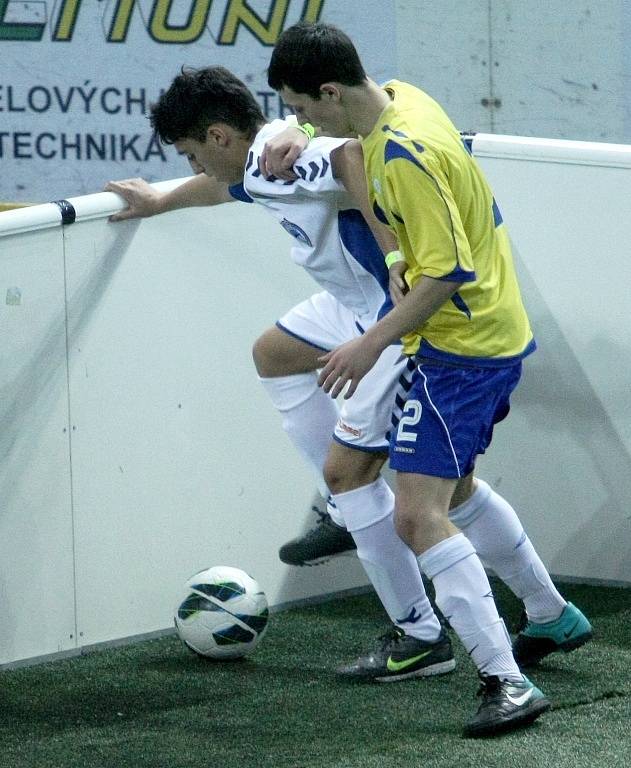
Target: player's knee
405	523
265	356
275	353
336	475
347	469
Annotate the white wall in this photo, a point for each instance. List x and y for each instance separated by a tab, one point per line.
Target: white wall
138	447
554	69
564	455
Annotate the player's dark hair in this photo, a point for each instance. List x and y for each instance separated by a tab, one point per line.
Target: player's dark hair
307	55
198	98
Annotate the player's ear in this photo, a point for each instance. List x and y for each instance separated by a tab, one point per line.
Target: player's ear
330	92
218	134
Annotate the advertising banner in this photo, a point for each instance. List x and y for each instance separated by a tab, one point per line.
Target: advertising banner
77	78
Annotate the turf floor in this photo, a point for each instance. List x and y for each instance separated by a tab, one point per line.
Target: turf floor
155	705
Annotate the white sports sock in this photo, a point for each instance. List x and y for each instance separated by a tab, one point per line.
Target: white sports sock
389	563
492	526
334	512
309	417
464	595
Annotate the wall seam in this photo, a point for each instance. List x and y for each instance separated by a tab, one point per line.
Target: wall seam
70	428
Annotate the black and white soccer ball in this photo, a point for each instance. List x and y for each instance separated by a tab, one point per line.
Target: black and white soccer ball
223	614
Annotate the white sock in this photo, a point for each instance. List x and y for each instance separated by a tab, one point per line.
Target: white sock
334	512
464	595
389	563
492	526
309	417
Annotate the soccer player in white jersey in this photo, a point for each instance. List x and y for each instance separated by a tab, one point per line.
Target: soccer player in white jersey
212	118
465	326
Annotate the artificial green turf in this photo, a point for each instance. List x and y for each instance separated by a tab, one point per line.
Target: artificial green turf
155	705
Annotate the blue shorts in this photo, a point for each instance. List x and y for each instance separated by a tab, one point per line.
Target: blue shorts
447	417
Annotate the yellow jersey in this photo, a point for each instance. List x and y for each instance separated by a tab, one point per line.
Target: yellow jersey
424	183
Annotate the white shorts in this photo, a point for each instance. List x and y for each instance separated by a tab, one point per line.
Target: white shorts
365	418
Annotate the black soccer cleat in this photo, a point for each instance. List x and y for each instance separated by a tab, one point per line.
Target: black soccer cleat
505	706
322	542
401	657
536	641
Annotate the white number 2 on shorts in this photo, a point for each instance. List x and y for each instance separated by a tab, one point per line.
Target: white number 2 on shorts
411	416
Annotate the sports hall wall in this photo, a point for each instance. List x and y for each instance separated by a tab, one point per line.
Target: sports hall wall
136	445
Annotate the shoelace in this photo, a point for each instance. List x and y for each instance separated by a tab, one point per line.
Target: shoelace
325	518
391	637
489	686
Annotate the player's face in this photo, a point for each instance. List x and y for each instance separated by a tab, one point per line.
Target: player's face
326	112
210	157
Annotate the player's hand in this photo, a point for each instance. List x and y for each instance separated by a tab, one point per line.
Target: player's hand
142	199
397	285
347	364
281	152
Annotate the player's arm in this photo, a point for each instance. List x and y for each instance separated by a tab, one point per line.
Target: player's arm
144	200
347	162
348	167
352	361
442	264
283	150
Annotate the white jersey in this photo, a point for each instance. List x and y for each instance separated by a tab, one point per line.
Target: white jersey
332	240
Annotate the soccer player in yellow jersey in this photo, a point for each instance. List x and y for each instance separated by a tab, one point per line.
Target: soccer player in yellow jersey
464	322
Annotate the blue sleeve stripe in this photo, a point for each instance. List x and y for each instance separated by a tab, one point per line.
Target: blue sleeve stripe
315	170
458	275
300	171
325	167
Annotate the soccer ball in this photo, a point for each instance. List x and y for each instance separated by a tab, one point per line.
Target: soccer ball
223	614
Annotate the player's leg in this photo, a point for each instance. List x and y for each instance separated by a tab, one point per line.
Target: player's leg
434	443
286	358
352	471
464	595
286	367
494	529
416	645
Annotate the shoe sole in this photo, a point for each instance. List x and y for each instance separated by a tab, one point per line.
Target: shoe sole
576	642
567	647
520	720
317	560
442	668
